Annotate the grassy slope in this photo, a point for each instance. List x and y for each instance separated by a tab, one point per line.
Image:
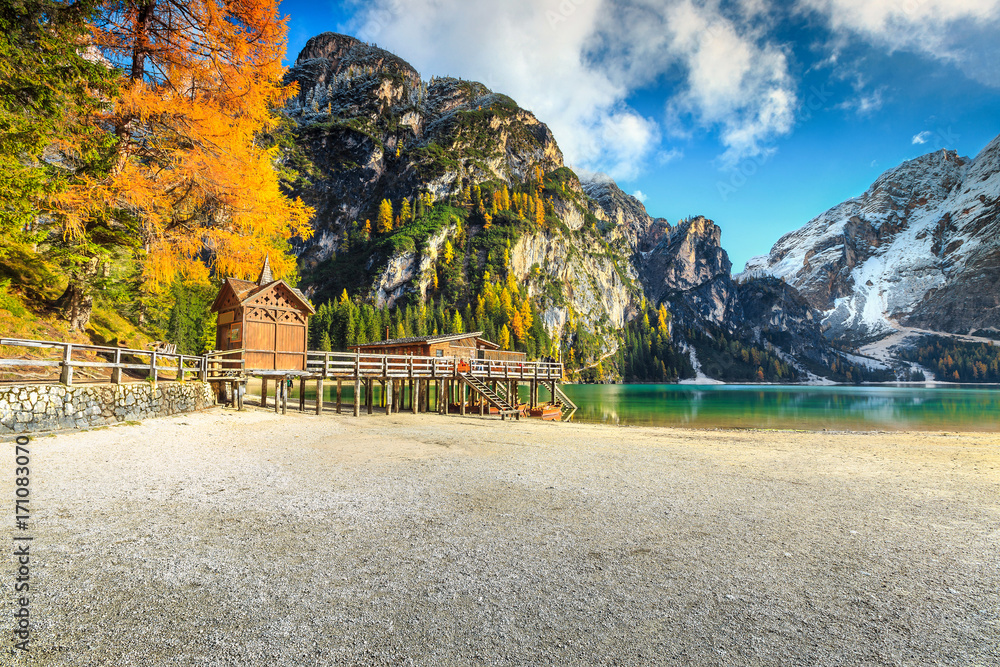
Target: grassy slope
28	286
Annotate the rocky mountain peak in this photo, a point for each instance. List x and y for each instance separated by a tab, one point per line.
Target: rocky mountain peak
918	248
343	52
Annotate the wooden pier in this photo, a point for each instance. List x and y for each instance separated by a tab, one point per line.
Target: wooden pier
463	386
460	385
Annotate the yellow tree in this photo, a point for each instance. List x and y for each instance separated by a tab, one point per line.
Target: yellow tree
449	252
663	320
539	212
504	338
506	304
406	212
517	326
193	173
384	220
526	317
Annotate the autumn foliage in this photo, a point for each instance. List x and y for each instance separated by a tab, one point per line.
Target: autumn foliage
202	80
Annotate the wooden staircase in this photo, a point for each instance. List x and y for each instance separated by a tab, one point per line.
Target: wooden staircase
568	407
492	397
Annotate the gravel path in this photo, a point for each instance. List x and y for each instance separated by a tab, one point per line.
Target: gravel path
226	538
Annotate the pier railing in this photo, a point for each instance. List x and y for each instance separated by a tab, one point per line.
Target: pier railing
351	364
230	365
67	358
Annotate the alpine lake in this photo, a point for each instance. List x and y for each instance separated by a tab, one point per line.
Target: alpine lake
806	407
877	407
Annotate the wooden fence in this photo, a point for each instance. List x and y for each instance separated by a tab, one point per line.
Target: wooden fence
66	357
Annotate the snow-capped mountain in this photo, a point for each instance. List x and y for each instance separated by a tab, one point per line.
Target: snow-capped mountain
920	248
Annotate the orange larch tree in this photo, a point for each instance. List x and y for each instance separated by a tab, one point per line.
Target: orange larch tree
192	175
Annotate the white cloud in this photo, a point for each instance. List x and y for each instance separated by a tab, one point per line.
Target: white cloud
733	80
668	156
962	32
574	63
866	103
640	195
921	138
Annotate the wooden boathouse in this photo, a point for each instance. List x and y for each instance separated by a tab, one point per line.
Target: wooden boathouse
263	322
262	332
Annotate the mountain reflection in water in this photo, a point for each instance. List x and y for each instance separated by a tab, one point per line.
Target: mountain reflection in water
951	407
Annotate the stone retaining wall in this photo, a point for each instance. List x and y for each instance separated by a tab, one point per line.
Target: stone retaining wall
27	408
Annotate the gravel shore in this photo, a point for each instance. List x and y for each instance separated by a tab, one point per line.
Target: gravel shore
224	538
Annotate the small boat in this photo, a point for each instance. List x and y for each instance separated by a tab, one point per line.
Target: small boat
547	412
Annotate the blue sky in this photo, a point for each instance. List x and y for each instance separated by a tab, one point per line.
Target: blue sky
759	114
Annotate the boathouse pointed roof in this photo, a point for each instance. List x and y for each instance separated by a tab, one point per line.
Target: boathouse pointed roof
244	290
265	278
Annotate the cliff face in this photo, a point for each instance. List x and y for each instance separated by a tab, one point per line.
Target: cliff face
368	128
920	248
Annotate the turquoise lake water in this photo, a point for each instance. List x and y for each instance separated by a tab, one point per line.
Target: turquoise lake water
951	408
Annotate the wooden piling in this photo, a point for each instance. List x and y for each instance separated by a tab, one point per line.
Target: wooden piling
388	398
284	395
357	396
415	396
319	396
339	390
302	394
263	392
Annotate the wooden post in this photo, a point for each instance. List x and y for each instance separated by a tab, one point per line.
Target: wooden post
302	394
414	396
284	394
263	391
444	397
339	389
388	398
319	395
239	395
180	368
277	394
204	366
461	398
116	372
152	367
370	394
357	395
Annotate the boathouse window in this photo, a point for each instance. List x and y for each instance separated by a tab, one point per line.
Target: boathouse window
439	353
